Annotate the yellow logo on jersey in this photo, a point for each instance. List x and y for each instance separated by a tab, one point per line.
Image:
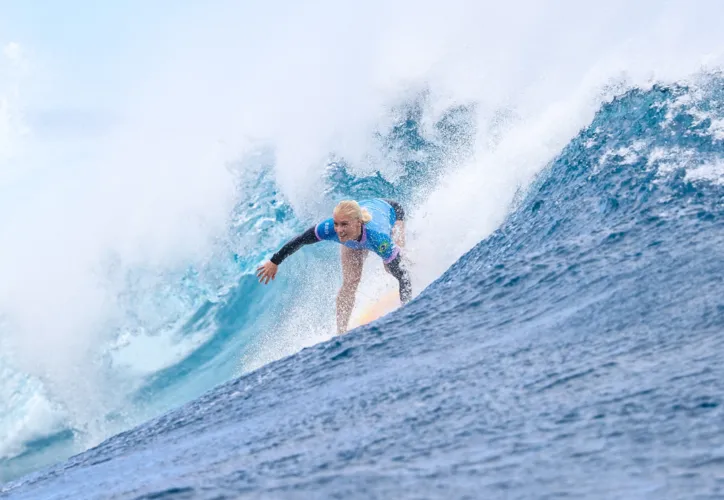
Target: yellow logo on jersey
383	247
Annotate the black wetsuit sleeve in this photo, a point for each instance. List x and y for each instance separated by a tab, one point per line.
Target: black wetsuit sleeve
306	238
397	269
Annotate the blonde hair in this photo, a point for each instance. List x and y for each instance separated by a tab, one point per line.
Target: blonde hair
351	208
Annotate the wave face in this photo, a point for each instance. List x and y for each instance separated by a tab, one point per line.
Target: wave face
193	327
576	351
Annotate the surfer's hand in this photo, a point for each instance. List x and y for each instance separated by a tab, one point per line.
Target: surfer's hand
267	271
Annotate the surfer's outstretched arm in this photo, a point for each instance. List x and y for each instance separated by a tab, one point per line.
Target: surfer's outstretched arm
398	270
306	238
268	270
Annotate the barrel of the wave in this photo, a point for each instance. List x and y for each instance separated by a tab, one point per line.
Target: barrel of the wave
376	309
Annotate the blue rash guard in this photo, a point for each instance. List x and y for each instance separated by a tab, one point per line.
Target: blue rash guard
376	234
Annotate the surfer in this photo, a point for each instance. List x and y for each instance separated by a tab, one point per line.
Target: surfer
377	225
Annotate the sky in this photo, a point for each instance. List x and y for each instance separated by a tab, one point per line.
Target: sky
68	70
76	58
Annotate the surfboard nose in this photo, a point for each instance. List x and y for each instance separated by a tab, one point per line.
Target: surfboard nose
384	305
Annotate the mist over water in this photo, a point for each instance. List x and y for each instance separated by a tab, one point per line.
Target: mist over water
126	277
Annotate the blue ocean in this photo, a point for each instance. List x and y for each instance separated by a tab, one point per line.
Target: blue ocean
565	340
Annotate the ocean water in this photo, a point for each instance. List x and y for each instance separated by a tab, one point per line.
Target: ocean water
565	239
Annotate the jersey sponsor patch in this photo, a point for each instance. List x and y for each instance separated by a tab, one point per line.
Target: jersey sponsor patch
325	230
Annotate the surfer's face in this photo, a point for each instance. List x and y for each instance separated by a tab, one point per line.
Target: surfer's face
347	228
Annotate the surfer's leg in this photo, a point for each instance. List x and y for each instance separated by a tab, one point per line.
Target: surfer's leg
352	262
397	269
398	229
398	233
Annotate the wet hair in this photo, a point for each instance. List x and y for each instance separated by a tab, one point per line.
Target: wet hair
351	208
